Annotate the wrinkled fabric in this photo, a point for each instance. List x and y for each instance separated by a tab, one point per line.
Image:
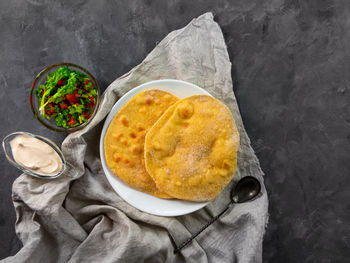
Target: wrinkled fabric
78	217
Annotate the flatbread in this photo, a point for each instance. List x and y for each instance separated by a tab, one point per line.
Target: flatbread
191	151
124	140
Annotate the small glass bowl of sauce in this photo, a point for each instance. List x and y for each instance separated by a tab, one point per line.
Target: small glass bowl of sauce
34	155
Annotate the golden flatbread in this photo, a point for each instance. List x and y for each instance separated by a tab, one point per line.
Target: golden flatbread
191	151
124	140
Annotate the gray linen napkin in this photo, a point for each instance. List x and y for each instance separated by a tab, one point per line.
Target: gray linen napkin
79	218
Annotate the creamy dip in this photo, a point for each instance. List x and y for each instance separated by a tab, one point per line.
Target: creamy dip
35	155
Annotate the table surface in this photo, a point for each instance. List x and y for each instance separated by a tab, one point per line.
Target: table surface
290	70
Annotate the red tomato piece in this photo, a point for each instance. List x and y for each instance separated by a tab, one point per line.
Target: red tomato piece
71	121
50	109
86	115
71	98
49	112
61	82
63	105
76	94
90	105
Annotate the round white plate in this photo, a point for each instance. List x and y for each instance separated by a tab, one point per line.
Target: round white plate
142	201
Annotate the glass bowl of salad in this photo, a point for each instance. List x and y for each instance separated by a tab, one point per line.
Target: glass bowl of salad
64	97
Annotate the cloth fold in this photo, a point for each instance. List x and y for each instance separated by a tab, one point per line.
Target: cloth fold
79	218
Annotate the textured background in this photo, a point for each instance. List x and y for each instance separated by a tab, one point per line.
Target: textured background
290	67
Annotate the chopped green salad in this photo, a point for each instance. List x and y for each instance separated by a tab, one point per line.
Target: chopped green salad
68	97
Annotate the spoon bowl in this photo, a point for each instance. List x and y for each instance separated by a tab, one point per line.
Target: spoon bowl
245	190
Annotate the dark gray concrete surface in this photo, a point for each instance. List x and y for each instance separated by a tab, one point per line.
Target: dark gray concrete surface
291	72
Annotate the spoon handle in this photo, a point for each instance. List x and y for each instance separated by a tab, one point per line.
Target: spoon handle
185	243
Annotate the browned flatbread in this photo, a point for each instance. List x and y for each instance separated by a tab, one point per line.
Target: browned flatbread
124	140
191	150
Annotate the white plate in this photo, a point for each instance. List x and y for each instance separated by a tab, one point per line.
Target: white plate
142	201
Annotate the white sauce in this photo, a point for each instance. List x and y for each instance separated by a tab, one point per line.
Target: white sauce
35	155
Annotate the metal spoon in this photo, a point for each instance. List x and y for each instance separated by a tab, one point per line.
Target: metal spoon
245	190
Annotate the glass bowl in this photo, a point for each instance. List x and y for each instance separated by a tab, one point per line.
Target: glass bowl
8	152
35	103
